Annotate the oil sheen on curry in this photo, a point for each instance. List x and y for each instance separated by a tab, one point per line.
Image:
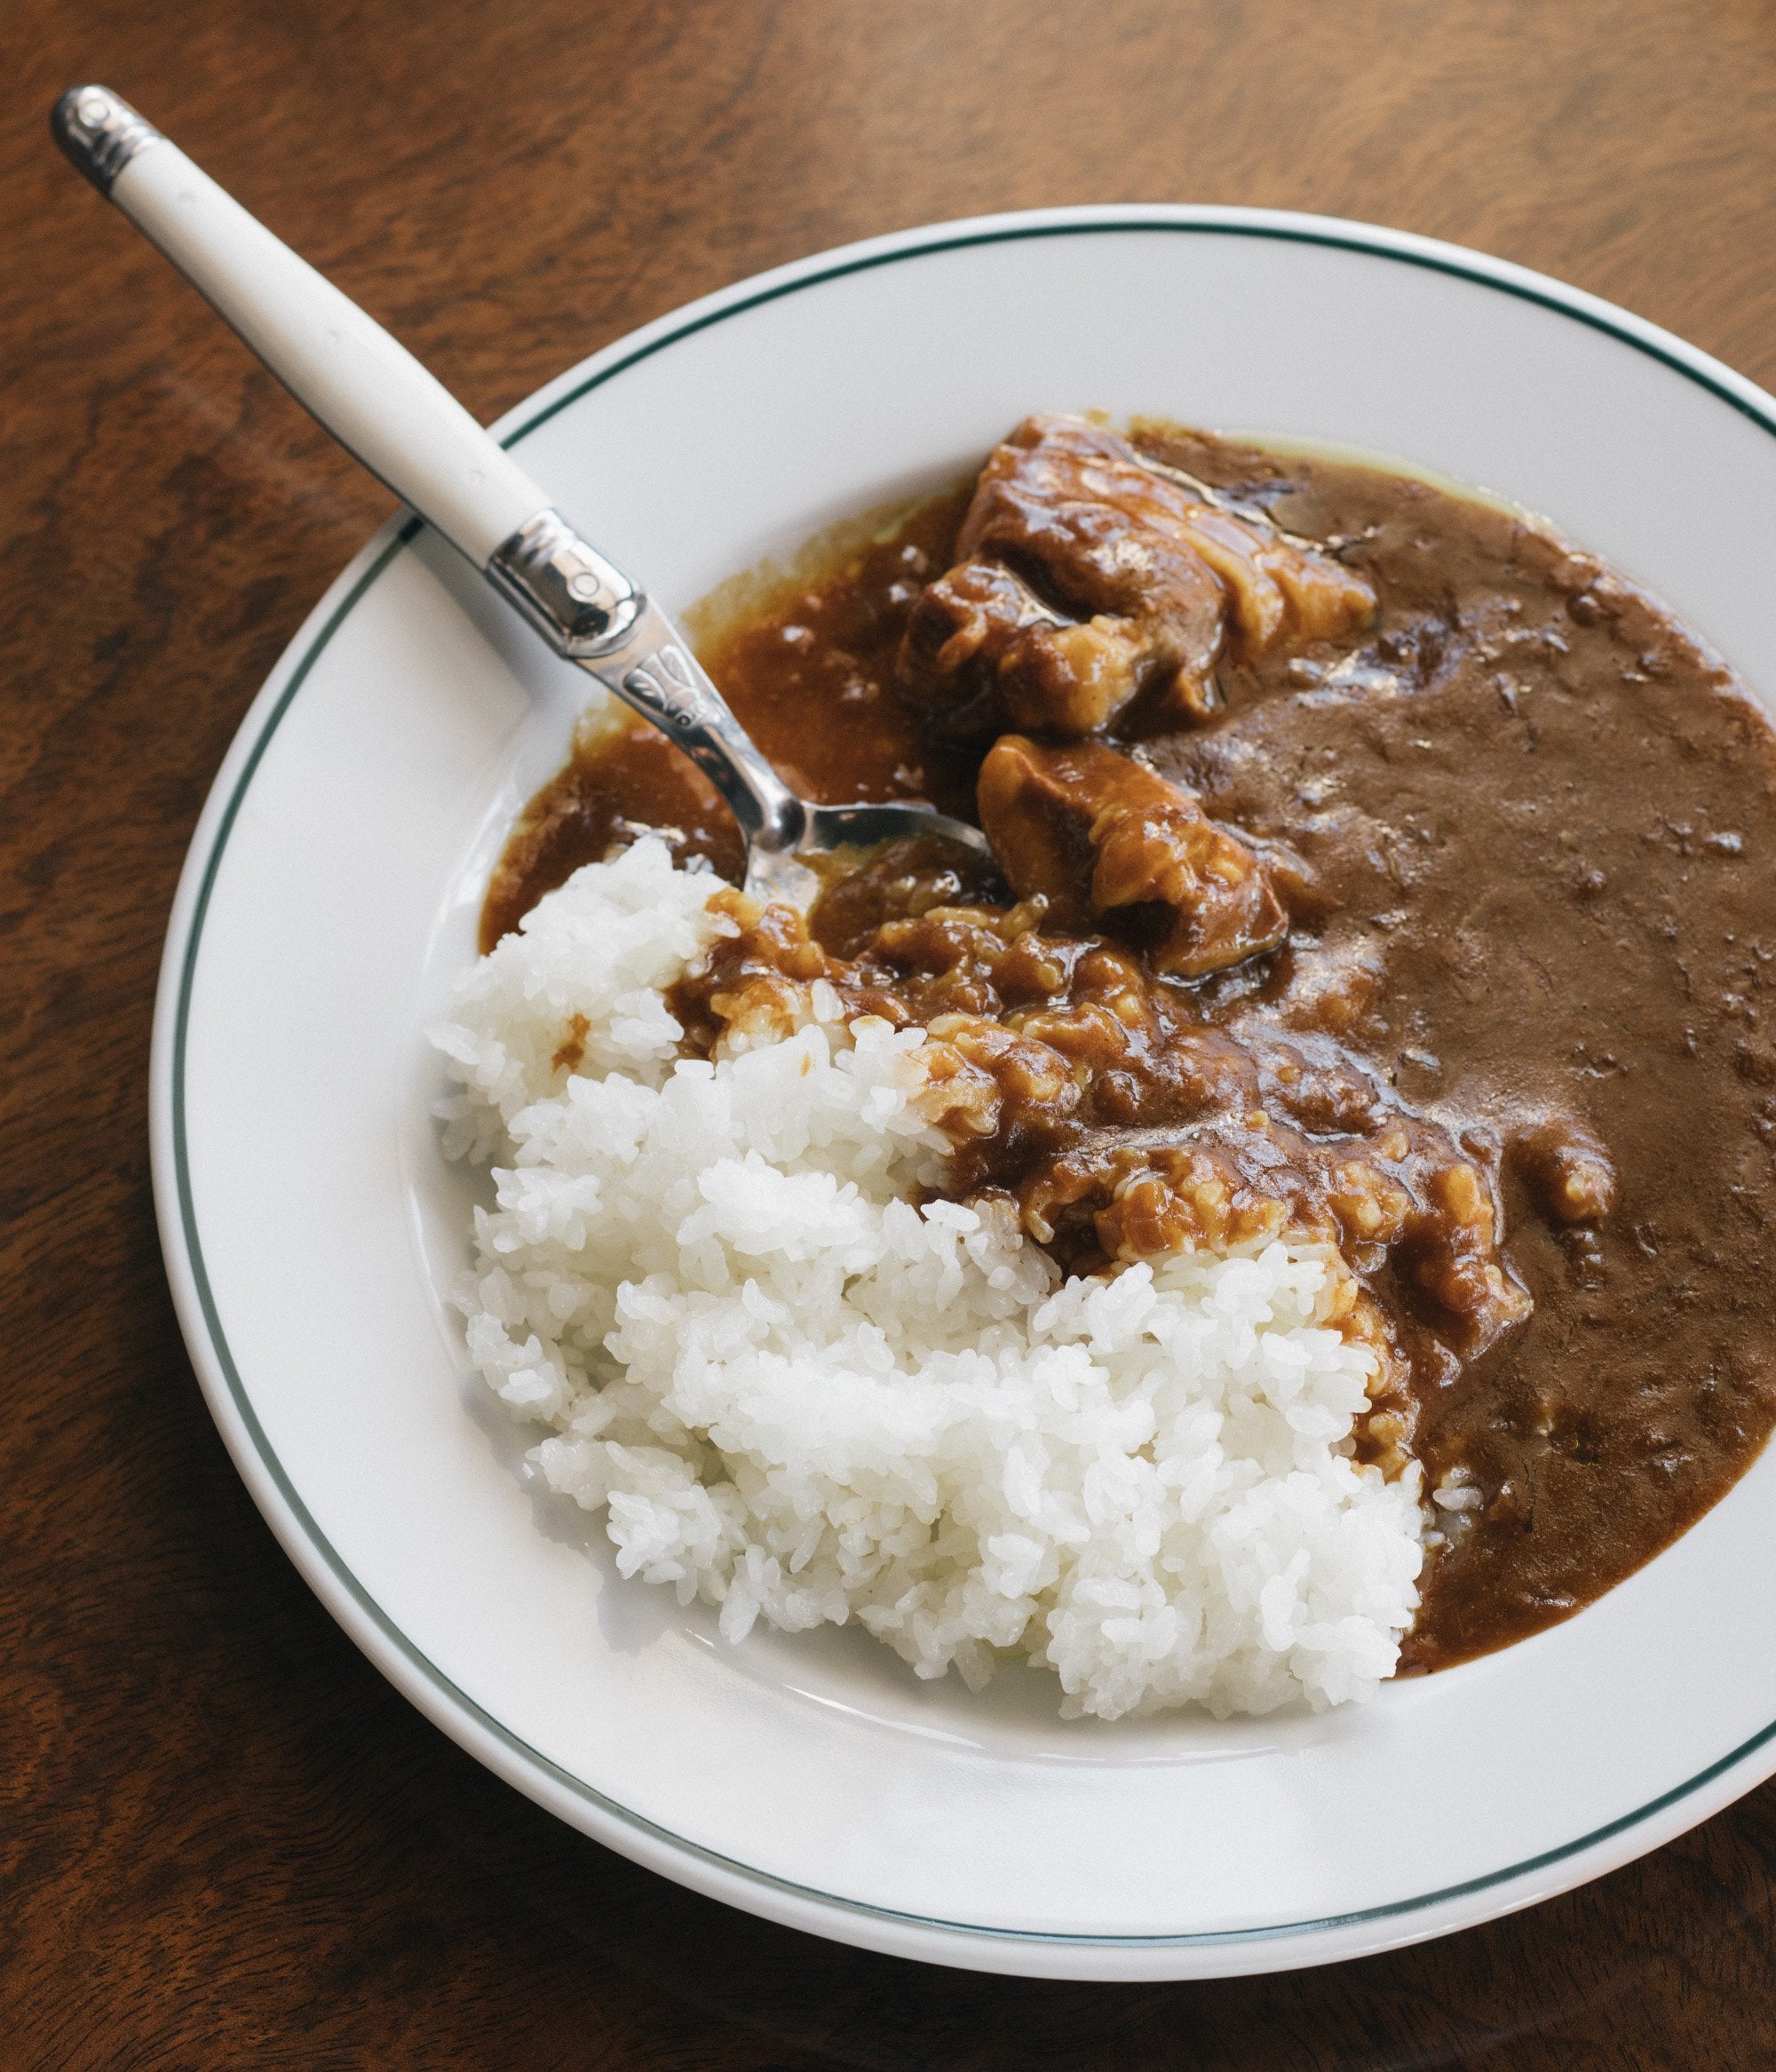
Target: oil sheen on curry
1376	868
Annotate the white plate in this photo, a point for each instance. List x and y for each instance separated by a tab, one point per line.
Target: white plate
312	1231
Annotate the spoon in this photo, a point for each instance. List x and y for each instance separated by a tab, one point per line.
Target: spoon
387	411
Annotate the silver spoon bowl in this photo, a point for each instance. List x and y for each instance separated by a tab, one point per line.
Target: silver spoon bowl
642	657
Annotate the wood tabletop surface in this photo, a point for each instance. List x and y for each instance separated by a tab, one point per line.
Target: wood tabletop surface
224	1839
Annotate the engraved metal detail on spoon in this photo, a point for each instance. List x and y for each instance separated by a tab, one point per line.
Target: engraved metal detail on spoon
667	683
581	603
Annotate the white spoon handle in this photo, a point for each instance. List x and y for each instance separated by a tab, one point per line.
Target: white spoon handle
369	391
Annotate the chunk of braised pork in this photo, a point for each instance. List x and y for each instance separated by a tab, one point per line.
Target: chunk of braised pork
1096	834
1086	577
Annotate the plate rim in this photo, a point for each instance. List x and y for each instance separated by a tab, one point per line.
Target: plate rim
1032	1951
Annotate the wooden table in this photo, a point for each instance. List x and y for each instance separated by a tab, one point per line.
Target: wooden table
223	1839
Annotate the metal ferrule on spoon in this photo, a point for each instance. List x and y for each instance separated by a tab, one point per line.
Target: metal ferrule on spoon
383	407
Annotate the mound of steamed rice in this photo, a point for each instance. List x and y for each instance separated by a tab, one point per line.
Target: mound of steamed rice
797	1395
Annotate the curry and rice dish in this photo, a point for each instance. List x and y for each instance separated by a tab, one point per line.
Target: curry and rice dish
1307	1216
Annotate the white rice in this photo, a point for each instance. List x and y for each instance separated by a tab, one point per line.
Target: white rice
797	1396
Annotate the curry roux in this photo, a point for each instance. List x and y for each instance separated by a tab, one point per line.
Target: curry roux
1511	1057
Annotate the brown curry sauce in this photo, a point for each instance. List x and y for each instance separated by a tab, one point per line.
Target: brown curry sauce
1511	1057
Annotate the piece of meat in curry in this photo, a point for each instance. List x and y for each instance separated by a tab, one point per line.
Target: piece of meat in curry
1085	579
1102	841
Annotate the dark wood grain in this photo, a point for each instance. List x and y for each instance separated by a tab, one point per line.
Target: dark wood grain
223	1839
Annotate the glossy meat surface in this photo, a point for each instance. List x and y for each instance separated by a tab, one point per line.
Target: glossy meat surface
1087	578
1104	840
